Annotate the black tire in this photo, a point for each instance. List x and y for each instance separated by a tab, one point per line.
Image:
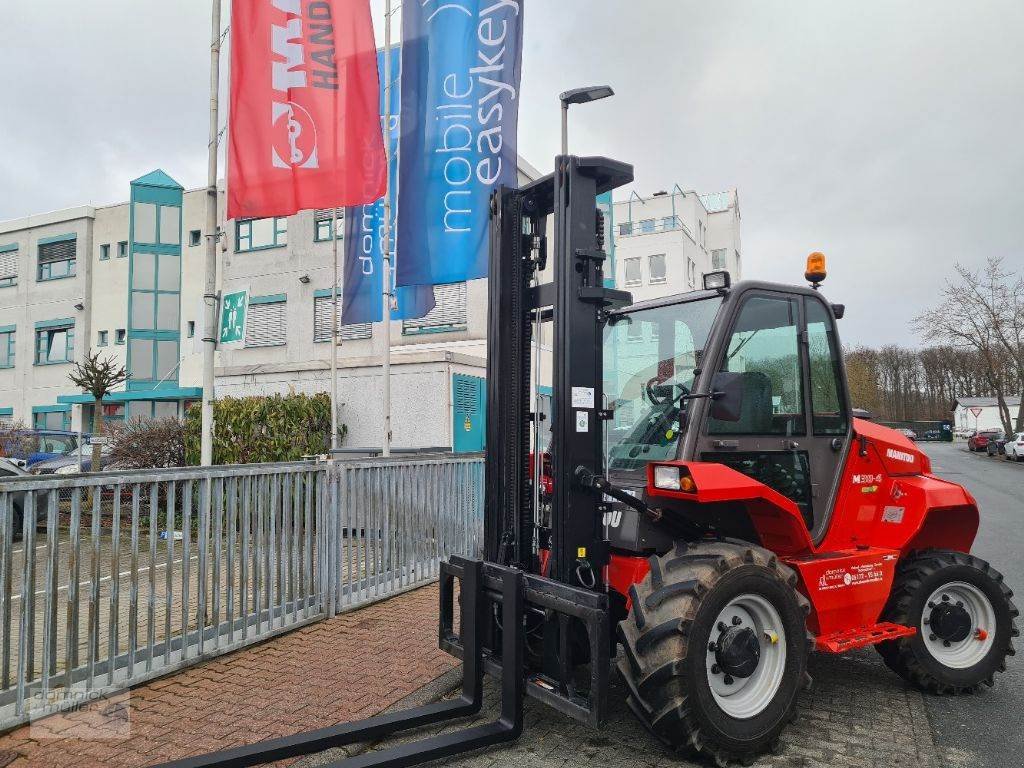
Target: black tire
673	612
917	578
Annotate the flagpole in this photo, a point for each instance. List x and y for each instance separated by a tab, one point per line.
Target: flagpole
334	330
210	287
386	244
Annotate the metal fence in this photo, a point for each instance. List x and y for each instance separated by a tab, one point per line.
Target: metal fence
126	576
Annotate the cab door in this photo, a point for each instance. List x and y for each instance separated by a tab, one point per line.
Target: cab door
793	426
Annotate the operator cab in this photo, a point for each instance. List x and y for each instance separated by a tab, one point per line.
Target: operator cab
749	376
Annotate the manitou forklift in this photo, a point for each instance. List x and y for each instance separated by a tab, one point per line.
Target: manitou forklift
708	511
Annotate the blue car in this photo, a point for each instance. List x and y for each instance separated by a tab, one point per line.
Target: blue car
29	447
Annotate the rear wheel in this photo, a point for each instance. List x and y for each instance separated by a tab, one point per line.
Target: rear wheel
715	649
964	618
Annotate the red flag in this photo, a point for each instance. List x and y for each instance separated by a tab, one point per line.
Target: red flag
304	124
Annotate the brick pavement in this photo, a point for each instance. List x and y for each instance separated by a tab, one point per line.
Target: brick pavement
857	715
343	669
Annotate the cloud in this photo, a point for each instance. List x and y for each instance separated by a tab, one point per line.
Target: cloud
885	134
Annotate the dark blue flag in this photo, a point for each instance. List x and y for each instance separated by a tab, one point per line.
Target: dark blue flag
363	283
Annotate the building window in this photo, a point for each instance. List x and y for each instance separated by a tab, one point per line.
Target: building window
256	234
101	338
8	266
152	359
322	222
191	329
105	252
266	322
632	271
7	347
122	249
157	224
120	335
448	314
635	331
718	258
55	344
646	226
57	259
323	308
6	417
52	419
691	272
195	237
669	222
656	268
156	280
626	228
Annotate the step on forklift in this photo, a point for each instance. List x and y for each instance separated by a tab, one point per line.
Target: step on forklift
707	513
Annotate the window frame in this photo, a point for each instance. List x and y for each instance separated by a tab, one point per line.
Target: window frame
838	370
102	338
651	279
122	249
8	347
45	269
625	272
319	221
278	232
69	340
105	252
195	238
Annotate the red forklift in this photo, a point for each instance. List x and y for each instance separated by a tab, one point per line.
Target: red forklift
708	512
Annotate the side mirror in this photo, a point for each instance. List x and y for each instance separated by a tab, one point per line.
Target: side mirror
727	397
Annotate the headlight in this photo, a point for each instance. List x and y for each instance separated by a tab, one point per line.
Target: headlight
666	478
670	477
67	469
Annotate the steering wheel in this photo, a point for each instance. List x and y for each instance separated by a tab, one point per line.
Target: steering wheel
652	387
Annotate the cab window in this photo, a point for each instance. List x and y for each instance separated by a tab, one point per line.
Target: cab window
828	415
764	349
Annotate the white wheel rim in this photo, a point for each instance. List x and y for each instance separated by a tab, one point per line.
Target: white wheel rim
971	650
744	698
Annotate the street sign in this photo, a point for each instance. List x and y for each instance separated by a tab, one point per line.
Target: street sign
976	412
233	308
97	440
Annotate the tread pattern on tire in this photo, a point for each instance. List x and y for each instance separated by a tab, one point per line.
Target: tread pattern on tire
898	654
655	637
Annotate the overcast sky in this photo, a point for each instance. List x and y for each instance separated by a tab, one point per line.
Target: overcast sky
889	135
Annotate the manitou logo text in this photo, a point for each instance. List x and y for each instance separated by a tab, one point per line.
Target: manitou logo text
294	129
892	453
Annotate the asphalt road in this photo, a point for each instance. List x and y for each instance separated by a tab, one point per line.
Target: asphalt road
986	730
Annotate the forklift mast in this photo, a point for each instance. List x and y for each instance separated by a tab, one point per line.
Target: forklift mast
576	304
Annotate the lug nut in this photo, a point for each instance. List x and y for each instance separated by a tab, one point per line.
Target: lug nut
728	680
932	637
946	643
736	621
715	669
959	604
712	647
945	598
931	605
721	626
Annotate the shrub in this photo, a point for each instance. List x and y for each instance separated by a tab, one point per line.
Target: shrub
148	443
250	430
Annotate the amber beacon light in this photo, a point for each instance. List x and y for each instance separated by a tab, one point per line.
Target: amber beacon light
815	272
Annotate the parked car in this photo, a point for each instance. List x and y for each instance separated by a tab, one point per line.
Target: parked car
11	471
979	440
1014	448
908	433
994	446
29	447
67	464
932	434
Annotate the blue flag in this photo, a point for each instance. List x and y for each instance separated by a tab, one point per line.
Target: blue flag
461	67
363	284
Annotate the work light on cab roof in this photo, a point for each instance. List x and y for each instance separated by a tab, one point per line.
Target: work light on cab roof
815	272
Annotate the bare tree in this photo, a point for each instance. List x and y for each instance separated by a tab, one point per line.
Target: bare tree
972	314
98	378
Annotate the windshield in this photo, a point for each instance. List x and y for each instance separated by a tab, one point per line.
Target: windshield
649	359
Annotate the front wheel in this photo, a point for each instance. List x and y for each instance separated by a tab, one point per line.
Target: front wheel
964	618
715	649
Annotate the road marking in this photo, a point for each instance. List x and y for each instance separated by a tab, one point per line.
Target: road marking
106	578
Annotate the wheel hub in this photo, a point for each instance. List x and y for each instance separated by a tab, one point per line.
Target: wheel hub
738	651
950	622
